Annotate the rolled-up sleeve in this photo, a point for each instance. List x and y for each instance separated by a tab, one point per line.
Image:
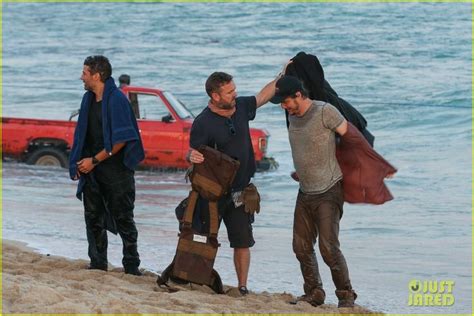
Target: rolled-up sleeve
332	118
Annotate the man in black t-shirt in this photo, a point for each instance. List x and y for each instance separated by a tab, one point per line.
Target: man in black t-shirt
224	124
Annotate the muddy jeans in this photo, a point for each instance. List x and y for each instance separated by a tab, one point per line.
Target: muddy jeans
118	198
318	215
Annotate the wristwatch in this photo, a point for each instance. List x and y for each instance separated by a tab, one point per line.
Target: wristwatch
95	161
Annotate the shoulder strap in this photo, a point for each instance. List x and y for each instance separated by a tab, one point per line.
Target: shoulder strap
214	219
188	214
213	214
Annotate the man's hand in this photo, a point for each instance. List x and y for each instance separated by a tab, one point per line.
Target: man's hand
77	176
295	177
269	90
283	71
85	165
195	156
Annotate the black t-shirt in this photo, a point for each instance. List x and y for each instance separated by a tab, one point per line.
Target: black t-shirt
230	136
95	136
111	169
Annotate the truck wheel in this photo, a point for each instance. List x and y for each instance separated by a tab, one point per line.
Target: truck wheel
48	156
266	164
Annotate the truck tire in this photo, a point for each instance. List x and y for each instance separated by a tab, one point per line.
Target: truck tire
48	156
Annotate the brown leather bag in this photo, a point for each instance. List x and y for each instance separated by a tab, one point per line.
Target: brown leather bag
196	252
213	177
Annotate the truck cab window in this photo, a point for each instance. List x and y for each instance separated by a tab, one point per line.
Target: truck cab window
148	106
134	104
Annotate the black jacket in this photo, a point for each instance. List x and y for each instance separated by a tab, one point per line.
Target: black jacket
308	69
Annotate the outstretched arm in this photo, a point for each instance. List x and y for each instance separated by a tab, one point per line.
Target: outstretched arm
269	90
266	93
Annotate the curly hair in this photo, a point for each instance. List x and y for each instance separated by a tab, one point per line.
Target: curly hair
99	64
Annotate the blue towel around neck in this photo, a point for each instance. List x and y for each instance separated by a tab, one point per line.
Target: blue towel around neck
118	124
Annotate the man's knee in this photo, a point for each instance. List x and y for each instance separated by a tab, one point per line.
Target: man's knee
243	251
239	229
93	210
241	241
302	248
123	214
121	208
126	226
93	219
330	253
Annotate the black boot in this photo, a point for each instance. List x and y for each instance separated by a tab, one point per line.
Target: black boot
133	270
97	267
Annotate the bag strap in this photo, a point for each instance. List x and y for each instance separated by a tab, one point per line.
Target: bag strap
188	214
214	219
213	214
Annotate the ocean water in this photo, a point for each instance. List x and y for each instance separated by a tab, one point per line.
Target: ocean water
406	67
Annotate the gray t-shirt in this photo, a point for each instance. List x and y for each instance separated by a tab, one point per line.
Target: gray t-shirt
313	146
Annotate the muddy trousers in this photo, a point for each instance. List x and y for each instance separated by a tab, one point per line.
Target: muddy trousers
118	199
317	218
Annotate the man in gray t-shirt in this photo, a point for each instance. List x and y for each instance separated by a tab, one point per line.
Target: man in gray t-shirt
313	146
312	129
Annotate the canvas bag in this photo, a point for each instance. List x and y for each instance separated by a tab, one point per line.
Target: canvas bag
196	251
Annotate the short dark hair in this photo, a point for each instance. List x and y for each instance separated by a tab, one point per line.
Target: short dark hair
288	87
124	79
216	80
99	64
304	92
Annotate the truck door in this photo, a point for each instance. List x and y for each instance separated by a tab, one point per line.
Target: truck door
160	130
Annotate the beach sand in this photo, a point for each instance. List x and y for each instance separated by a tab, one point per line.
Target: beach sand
37	283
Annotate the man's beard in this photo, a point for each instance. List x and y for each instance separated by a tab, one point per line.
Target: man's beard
228	106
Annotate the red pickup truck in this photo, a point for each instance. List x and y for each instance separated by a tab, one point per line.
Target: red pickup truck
163	120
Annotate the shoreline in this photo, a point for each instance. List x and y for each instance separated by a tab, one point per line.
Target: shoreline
39	283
